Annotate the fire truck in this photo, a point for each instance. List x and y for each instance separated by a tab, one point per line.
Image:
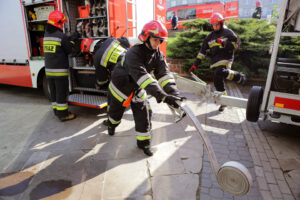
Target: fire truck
22	32
187	13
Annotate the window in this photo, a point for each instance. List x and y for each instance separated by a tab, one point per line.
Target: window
188	13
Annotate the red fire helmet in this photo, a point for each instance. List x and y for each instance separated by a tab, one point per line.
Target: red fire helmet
85	45
154	29
216	18
258	3
57	19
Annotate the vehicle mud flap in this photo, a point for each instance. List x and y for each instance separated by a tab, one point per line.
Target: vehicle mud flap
253	104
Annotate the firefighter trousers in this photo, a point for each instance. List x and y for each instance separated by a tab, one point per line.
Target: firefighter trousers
102	76
59	89
221	73
142	114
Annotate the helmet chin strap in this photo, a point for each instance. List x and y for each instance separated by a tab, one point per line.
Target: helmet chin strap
149	44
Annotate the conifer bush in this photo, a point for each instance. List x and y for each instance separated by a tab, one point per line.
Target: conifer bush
252	57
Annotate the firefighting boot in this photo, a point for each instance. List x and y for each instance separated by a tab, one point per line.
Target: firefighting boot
243	79
222	108
148	151
146	148
70	116
105	122
111	130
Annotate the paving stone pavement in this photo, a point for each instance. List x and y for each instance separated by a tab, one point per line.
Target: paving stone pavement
79	160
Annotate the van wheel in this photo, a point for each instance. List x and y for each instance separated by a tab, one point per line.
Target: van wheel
253	104
46	88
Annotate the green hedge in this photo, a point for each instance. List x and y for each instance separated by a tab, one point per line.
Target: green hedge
252	56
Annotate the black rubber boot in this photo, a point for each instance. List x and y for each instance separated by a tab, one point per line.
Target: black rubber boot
148	151
105	122
222	108
70	116
243	80
111	130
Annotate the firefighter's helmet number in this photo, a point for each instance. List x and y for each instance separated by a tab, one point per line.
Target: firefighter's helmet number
50	48
115	55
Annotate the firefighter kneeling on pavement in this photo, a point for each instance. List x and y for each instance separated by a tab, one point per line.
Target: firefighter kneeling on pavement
106	55
57	46
131	81
222	43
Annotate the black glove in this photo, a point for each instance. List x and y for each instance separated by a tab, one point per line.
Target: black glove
75	36
171	100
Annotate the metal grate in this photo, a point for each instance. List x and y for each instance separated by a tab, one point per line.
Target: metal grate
88	100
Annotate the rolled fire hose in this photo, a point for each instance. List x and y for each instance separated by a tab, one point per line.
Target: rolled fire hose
233	177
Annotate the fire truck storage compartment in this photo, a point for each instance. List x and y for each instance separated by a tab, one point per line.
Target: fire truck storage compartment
36	15
85	79
286	78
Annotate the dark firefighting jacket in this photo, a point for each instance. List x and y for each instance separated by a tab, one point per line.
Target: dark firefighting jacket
109	53
221	54
257	13
56	46
133	73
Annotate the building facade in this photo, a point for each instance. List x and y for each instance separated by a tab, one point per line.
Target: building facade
246	7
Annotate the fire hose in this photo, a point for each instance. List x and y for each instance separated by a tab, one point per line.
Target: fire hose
233	177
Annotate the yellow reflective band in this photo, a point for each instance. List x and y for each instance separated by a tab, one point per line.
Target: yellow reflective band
49	48
214	44
62	108
199	57
72	42
142	138
115	94
144	96
165	82
234	45
51	22
147	82
231	76
57	74
219	64
113	54
54	107
116	54
52	43
113	121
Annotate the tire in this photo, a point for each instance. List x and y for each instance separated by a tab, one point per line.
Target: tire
253	104
46	88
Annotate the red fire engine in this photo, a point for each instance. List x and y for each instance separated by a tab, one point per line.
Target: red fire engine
21	49
191	12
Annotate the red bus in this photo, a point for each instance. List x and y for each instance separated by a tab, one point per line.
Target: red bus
204	11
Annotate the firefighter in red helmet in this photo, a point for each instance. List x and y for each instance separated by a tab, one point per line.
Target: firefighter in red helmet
222	43
57	46
132	81
106	55
257	11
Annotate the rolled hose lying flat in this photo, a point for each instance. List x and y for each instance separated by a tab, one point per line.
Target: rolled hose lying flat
232	176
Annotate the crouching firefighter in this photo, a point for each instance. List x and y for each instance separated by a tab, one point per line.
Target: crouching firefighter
131	80
222	43
57	46
106	55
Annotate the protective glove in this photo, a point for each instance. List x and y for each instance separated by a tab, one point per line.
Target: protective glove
75	36
171	100
193	69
